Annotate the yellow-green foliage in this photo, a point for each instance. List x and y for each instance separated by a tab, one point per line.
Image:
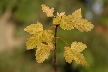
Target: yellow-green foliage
43	39
73	53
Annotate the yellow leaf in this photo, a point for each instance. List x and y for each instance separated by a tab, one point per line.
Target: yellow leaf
47	36
73	21
76	15
66	23
60	14
73	53
33	28
68	54
51	46
34	40
83	25
43	52
79	47
47	10
38	38
57	20
79	58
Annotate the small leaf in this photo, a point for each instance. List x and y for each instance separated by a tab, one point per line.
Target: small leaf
43	52
76	15
66	23
73	53
47	10
80	59
33	28
57	20
79	47
34	41
38	38
73	21
68	54
60	14
83	25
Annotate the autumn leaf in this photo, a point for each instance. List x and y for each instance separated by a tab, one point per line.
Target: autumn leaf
47	10
76	15
60	14
73	53
39	35
78	46
33	28
72	21
38	38
42	40
43	52
83	25
34	41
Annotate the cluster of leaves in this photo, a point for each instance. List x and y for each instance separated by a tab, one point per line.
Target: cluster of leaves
43	39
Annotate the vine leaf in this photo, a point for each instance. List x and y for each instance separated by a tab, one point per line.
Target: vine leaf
39	35
47	10
43	52
72	21
73	53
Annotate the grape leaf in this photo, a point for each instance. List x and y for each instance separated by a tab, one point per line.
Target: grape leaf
47	10
73	53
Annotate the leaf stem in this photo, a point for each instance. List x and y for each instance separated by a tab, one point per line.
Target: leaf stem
62	40
52	27
55	62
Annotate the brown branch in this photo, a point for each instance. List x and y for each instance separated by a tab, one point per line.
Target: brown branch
55	62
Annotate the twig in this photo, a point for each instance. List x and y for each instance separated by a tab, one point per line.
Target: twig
55	62
62	40
52	27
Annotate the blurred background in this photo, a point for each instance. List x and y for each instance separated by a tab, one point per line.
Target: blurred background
15	15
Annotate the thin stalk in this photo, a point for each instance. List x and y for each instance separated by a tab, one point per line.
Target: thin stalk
55	62
52	27
63	40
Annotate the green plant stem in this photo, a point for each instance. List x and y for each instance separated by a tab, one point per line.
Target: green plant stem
63	40
55	62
